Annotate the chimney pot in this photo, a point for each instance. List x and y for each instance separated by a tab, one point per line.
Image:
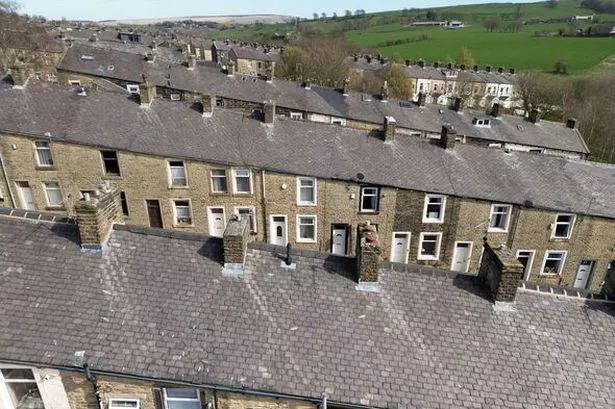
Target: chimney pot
447	137
495	110
571	123
390	127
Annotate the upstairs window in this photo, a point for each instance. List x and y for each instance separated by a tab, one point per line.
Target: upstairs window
218	181
434	209
182	398
19	390
562	229
110	163
43	153
369	199
306	191
499	218
182	212
177	173
242	181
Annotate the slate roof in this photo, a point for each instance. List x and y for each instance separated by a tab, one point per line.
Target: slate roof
327	101
160	307
173	129
251	53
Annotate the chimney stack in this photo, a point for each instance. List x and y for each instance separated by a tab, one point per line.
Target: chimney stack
390	125
269	74
501	273
512	71
436	64
571	123
476	68
462	67
96	216
488	68
384	92
449	65
368	257
458	105
230	68
534	116
346	87
407	63
208	102
19	74
147	93
421	63
269	110
501	70
191	62
150	56
495	110
421	99
235	245
447	137
307	84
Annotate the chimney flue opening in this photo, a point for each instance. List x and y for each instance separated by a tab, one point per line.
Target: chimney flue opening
571	123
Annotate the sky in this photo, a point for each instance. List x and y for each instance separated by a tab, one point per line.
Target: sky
131	9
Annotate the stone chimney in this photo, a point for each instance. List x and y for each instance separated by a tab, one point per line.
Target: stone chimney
389	127
307	84
269	74
96	216
488	68
512	71
407	63
191	60
421	99
269	110
458	106
500	70
495	110
346	87
534	116
462	67
571	123
208	102
447	137
476	68
150	56
384	92
20	76
147	93
235	245
421	64
230	68
368	257
436	64
501	273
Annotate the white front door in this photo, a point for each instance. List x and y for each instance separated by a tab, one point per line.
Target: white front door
461	256
339	240
277	234
25	194
217	221
583	273
399	247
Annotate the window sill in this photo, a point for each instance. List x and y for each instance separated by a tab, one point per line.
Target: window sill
182	225
235	194
307	204
550	275
492	230
179	187
39	167
219	194
432	221
428	258
55	208
113	176
559	239
368	212
307	241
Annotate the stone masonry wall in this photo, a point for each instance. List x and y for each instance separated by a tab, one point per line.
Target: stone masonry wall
501	273
230	400
96	217
235	241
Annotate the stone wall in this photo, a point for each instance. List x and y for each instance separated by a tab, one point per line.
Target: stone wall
96	216
230	400
235	241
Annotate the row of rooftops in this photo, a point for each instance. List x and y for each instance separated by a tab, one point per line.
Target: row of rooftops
207	79
176	129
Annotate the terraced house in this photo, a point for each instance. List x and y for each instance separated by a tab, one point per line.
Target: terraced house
191	166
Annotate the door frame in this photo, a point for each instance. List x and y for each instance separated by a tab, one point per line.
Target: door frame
406	250
159	208
272	233
471	247
346	228
591	271
21	198
210	218
530	262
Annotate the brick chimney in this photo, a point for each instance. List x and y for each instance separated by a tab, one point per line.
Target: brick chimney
230	68
208	102
534	116
501	273
20	76
384	92
389	127
147	93
571	123
458	106
346	87
447	137
191	60
421	99
269	110
235	245
495	110
368	257
96	216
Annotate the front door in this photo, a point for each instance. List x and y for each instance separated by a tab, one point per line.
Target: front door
277	234
526	257
153	212
399	247
25	194
461	256
217	221
339	239
583	273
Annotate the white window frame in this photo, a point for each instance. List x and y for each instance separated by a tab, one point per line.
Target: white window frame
253	224
296	115
492	229
426	218
570	225
212	177
438	246
133	89
176	222
530	262
74	83
544	262
166	397
363	210
112	400
234	172
5	398
170	170
406	250
298	238
176	97
210	218
58	189
314	189
38	149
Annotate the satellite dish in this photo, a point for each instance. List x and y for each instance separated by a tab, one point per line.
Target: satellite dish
360	176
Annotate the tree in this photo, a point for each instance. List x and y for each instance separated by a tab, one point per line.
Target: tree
552	3
334	17
464	57
561	67
323	15
431	15
348	13
492	25
399	83
315	15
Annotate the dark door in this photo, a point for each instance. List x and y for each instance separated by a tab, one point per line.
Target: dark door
153	212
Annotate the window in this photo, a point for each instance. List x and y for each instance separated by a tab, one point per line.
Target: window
110	162
124	204
434	209
18	389
306	229
242	181
562	229
124	404
306	191
176	97
43	153
499	218
369	199
177	173
133	89
182	398
553	263
218	181
182	211
53	194
75	83
429	246
296	115
247	212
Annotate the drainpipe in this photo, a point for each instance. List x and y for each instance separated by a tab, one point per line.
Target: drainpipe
94	381
264	205
323	405
8	182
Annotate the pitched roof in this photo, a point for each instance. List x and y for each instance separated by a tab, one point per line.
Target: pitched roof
207	79
307	148
160	307
251	53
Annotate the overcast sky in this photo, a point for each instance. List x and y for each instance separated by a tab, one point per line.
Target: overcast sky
131	9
